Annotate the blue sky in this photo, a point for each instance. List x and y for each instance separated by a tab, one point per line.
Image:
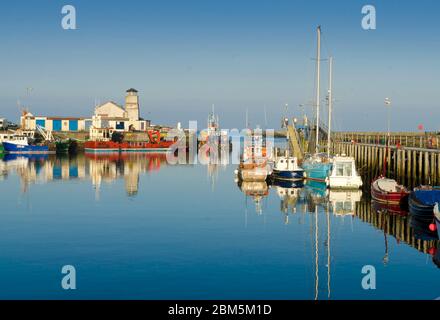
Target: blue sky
183	56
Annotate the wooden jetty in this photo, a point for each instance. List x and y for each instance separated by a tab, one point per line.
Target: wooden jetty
413	158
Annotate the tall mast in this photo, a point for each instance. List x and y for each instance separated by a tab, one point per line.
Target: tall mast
330	102
318	75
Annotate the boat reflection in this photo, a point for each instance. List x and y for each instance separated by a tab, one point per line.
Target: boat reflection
99	168
403	229
343	202
256	190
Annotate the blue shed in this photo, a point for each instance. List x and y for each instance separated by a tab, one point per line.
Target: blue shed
73	125
56	125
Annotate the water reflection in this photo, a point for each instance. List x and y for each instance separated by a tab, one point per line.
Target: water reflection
99	169
315	200
309	210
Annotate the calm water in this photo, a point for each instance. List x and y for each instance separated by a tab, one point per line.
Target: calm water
137	228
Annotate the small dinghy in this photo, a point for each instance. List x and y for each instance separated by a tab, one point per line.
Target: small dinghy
422	201
389	194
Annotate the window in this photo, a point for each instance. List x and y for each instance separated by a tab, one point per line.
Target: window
344	169
120	125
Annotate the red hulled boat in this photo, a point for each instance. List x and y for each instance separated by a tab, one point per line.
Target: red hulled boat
155	144
388	193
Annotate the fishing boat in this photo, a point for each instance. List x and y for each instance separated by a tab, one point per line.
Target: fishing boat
254	164
62	146
155	144
318	168
286	168
388	193
422	201
255	171
344	174
21	145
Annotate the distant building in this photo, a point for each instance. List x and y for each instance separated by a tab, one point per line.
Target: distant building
109	116
29	122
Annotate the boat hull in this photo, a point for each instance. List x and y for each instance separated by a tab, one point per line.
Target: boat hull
345	182
396	201
288	175
253	175
317	171
62	147
286	183
421	203
132	147
25	149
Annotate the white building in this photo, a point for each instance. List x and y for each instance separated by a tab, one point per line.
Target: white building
109	116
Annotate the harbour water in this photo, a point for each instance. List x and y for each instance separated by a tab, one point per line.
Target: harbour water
136	228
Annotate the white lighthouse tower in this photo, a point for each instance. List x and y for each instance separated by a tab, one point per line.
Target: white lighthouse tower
132	104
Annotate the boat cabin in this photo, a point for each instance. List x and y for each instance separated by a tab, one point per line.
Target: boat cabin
344	173
286	164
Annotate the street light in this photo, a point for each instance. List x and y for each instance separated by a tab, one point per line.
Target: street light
388	104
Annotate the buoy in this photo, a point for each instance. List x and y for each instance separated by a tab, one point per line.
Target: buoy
432	251
432	227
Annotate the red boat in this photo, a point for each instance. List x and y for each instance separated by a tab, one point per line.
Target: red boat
155	144
389	194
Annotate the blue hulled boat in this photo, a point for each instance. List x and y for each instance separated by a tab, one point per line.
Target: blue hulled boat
286	168
318	168
422	201
20	145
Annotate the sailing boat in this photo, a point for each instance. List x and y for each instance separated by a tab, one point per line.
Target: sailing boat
318	166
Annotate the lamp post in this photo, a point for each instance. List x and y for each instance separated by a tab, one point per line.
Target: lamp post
388	104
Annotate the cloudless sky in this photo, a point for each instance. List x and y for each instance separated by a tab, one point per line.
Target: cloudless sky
184	56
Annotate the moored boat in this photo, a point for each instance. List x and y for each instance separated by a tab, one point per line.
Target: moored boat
389	194
422	201
155	144
344	174
318	168
20	145
62	146
286	168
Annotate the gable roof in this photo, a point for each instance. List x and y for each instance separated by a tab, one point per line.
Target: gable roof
111	102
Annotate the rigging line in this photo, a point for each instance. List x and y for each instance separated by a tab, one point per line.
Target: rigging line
325	45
